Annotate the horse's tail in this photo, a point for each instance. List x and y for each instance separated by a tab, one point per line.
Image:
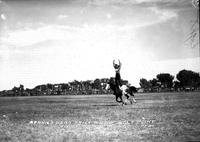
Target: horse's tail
132	90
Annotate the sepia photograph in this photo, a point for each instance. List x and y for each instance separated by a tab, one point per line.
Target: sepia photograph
99	71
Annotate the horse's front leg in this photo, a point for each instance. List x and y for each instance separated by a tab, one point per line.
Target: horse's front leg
116	98
127	98
134	99
122	100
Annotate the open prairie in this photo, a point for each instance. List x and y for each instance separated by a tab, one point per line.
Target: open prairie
155	117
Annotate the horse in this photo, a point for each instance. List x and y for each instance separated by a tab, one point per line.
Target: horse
129	91
124	90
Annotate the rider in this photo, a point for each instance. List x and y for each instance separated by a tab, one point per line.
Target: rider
117	73
123	88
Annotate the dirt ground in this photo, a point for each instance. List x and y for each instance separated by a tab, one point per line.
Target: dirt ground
155	117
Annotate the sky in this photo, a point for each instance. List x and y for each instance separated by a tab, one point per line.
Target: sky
58	41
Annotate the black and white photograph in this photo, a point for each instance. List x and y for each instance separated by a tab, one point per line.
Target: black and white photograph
99	71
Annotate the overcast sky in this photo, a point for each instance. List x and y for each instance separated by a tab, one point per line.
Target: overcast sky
44	41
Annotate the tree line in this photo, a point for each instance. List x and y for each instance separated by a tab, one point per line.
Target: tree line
185	80
75	87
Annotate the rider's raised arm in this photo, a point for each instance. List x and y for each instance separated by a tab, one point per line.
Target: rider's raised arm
113	63
120	64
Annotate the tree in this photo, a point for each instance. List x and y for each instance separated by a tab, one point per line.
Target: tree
21	88
188	78
177	85
155	84
165	79
87	85
145	84
50	86
15	90
97	84
75	86
65	86
43	87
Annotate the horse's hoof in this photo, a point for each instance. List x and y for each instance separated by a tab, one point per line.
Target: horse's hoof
134	100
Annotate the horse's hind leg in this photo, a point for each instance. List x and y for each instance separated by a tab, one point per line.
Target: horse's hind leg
133	98
127	98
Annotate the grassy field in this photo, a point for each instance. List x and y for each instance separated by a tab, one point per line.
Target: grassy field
155	117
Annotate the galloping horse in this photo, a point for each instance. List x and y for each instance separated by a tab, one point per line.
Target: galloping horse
129	91
125	90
